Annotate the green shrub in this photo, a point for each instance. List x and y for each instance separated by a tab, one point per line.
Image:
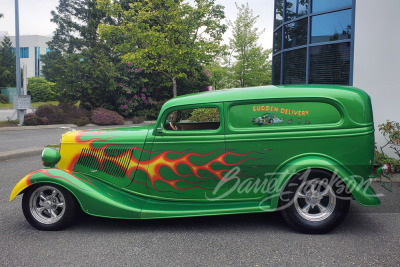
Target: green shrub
204	114
391	131
151	113
81	121
41	90
4	99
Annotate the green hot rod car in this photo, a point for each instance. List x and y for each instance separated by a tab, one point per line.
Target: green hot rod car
305	151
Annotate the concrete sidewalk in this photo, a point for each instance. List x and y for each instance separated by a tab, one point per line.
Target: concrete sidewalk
10	114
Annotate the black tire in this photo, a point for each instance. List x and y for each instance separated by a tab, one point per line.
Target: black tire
48	207
314	201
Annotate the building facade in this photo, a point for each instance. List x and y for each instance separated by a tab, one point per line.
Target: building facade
31	48
313	42
347	42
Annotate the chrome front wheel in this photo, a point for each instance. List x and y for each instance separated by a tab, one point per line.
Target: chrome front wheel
48	207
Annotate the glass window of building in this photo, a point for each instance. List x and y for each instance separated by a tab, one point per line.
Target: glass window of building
331	27
278	40
330	64
23	52
294	66
37	61
296	33
313	42
278	12
276	62
296	8
325	5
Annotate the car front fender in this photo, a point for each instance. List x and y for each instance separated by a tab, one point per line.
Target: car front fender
359	188
95	197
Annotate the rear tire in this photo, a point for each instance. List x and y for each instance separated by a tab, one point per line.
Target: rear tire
314	202
48	207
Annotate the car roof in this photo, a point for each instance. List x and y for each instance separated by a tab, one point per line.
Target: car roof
270	92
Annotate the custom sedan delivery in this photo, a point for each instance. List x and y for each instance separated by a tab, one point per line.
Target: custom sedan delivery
303	150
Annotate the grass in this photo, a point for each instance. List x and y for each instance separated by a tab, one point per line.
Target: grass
34	104
53	146
8	123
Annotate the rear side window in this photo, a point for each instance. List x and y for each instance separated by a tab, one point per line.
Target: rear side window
193	119
269	115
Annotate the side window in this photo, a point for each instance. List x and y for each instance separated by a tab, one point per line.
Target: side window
193	119
285	114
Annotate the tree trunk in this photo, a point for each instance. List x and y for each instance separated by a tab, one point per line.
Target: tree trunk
174	89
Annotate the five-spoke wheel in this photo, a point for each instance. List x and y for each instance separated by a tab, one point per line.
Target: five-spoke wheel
314	201
48	207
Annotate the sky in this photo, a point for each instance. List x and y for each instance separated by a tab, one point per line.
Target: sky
35	17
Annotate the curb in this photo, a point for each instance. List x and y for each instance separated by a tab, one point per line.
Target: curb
394	178
52	126
19	153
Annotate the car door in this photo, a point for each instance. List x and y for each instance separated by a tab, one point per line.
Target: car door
188	154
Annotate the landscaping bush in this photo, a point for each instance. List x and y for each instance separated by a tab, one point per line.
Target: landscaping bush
391	132
54	114
102	116
4	99
137	120
205	114
41	90
32	119
151	113
74	113
81	121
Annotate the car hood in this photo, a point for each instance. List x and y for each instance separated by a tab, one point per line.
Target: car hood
76	144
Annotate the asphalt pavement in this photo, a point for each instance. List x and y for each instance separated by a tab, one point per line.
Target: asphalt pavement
367	237
30	140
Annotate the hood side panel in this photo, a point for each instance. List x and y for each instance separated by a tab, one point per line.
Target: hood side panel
109	155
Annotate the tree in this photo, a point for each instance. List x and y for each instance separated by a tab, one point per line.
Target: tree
166	36
252	66
7	63
82	66
219	73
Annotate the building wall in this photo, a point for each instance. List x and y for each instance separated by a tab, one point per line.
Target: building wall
377	57
31	41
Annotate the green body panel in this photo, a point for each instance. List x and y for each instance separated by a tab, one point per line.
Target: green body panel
265	136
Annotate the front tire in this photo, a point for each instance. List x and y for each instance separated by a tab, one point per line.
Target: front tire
314	202
48	207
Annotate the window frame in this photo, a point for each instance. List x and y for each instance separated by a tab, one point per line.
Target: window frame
161	131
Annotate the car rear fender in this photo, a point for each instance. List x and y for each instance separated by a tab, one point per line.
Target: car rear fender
359	187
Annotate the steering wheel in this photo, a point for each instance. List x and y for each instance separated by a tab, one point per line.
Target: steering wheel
174	126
